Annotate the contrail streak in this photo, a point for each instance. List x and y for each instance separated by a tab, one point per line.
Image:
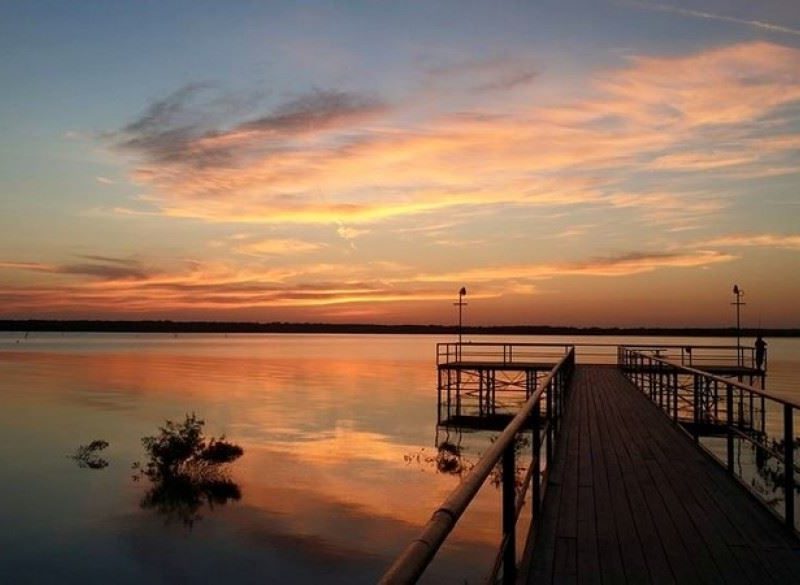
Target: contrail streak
710	16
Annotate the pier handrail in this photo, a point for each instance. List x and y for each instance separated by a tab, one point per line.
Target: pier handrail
413	561
718	355
657	375
742	355
715	377
500	352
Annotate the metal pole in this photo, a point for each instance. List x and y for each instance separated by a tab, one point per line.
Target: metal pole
788	465
696	407
550	425
738	293
675	398
460	305
729	392
461	294
536	445
738	329
439	396
509	516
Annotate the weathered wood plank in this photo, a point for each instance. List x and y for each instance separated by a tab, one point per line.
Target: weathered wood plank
612	569
633	558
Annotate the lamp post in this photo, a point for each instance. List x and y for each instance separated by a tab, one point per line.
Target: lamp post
460	304
738	293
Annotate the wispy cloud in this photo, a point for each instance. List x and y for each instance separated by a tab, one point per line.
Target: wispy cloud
277	247
786	241
195	285
351	233
760	24
490	74
622	265
173	131
674	211
99	266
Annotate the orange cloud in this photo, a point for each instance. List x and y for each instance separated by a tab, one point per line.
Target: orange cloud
334	157
625	265
210	286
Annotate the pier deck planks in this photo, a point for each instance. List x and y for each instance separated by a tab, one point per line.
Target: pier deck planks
632	500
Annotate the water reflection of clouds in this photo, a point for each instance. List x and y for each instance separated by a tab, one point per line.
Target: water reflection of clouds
387	491
249	544
325	437
296	523
343	443
105	399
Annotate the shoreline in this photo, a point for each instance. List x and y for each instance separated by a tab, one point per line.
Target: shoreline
167	326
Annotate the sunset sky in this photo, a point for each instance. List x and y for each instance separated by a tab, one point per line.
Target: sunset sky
593	162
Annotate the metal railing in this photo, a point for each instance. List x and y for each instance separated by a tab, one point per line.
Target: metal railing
733	356
546	403
708	405
499	353
742	356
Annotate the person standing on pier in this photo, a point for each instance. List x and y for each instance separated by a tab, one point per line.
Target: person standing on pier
761	351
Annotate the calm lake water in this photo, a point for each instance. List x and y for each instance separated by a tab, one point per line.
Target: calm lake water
338	473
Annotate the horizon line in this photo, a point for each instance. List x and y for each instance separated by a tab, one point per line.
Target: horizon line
201	326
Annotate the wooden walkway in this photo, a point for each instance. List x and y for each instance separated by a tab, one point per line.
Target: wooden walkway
633	500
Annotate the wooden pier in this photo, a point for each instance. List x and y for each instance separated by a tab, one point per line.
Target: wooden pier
620	485
631	499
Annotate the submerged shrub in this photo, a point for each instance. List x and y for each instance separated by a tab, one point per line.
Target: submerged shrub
181	449
188	471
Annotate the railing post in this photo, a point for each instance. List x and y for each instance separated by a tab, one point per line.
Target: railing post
449	393
675	396
438	395
657	374
729	392
536	445
696	406
509	516
640	372
788	456
557	401
550	426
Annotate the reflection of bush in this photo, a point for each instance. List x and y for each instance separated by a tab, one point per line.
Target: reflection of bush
187	470
772	471
181	498
87	455
450	459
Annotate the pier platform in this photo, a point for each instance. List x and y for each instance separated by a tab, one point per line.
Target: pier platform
673	465
631	499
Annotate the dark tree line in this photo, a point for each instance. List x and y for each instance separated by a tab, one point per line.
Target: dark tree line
167	326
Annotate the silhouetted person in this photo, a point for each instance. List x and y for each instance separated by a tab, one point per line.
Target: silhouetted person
761	351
